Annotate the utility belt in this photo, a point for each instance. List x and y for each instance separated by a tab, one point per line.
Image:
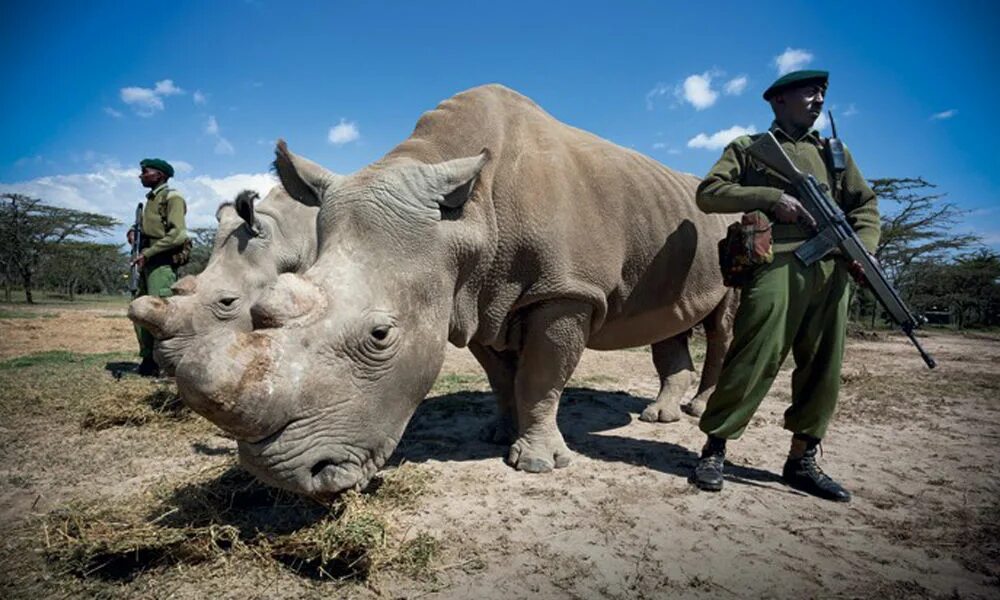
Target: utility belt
175	257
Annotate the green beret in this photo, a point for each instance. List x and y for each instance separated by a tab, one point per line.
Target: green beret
159	164
795	79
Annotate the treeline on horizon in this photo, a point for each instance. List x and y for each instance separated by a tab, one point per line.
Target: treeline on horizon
952	278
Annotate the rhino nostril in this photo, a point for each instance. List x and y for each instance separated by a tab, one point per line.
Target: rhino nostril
318	467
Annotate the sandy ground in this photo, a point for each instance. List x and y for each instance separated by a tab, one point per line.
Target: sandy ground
918	449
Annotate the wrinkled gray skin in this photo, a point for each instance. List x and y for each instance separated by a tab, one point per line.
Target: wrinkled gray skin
255	242
493	226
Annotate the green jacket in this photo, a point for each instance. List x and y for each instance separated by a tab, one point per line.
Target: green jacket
163	221
739	184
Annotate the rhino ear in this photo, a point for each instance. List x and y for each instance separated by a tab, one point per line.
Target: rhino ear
244	208
303	179
450	183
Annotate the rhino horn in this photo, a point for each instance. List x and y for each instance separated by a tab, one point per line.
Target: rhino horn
303	179
448	184
186	286
291	297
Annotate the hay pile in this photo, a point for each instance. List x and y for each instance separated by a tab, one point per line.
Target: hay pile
225	514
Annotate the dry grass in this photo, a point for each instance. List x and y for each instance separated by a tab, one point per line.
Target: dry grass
99	389
225	514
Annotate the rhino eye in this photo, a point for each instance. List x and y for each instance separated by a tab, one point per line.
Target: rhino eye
228	301
381	332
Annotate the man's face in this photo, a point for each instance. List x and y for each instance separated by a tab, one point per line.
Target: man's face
151	178
800	106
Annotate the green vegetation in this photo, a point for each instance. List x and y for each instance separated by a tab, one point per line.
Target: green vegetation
6	313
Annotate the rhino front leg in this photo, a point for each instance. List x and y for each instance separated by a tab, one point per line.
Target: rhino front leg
500	367
672	359
554	337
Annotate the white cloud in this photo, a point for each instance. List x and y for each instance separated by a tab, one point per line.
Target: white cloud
792	59
143	101
199	98
222	145
147	102
167	88
114	113
115	191
659	146
697	90
851	110
822	122
343	132
719	139
951	112
735	86
661	89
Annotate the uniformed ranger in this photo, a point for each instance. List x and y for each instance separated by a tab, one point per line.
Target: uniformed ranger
164	247
786	306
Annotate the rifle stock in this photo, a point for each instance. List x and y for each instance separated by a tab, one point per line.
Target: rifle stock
834	231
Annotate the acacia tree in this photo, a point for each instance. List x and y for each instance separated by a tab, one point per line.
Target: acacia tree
919	230
74	267
202	243
30	228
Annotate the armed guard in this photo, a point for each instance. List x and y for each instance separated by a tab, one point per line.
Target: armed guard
786	305
164	246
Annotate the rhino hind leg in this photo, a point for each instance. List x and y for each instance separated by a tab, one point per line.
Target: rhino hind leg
500	368
672	359
554	336
718	335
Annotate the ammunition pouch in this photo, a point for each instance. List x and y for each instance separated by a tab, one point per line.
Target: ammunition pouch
746	247
183	254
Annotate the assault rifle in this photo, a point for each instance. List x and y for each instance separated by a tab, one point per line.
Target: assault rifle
136	229
833	231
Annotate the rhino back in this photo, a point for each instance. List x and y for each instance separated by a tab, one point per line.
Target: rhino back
562	213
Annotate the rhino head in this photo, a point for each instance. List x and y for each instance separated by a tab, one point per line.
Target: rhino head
319	393
253	245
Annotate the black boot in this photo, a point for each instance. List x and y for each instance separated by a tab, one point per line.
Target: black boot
708	473
805	475
148	368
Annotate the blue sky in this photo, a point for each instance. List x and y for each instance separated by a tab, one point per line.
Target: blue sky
92	88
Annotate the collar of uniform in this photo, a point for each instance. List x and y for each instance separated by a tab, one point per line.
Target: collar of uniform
156	191
812	133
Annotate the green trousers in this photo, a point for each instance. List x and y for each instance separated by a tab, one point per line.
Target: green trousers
787	306
153	281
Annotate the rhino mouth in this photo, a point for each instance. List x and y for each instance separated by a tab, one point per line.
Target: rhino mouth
289	459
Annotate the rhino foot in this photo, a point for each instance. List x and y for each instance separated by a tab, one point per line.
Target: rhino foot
696	406
500	431
661	412
539	456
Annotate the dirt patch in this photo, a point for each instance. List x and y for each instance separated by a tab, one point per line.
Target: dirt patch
116	472
78	330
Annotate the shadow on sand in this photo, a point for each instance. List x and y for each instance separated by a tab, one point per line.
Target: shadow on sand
448	427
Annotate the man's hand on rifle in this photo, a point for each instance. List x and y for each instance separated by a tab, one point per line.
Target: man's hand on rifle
857	272
140	261
789	210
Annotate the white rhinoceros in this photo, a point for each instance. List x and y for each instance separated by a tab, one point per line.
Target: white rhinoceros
493	226
253	245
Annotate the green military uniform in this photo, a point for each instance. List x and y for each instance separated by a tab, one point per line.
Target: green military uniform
163	235
786	306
